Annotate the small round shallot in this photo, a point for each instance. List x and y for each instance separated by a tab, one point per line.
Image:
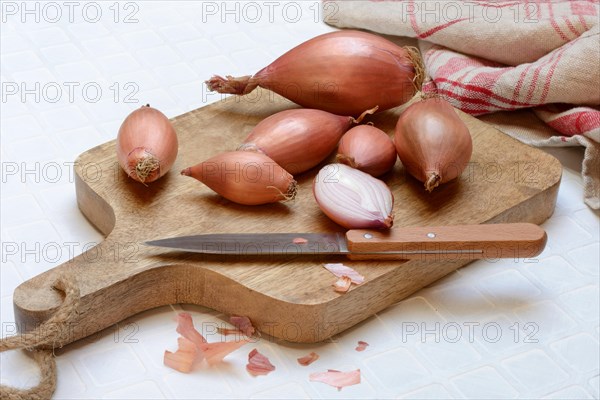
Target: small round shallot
367	148
146	145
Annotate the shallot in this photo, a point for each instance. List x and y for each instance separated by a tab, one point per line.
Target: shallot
367	148
343	72
146	145
433	143
352	198
299	139
245	177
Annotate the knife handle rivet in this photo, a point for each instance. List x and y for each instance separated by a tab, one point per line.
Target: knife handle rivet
431	235
368	236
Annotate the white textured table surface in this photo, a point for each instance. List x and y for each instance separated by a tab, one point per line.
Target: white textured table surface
501	330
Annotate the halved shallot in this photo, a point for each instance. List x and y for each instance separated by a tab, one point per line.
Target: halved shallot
245	177
352	198
433	143
146	144
343	72
299	139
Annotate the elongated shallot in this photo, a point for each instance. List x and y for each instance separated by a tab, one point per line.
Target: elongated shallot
343	72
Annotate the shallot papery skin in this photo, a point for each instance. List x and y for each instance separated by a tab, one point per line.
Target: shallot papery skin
297	139
341	270
183	359
368	149
308	359
433	143
185	327
362	346
243	324
352	198
343	72
194	347
245	177
336	379
146	145
342	285
258	364
216	351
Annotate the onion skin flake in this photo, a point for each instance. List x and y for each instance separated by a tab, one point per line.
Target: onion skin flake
337	379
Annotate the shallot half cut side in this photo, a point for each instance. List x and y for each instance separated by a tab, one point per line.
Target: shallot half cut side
352	198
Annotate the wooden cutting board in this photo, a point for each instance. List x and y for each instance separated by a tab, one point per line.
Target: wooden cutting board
289	298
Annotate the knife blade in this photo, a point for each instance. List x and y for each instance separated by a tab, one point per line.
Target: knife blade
487	241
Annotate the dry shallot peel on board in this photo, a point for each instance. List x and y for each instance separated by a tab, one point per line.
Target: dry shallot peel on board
471	242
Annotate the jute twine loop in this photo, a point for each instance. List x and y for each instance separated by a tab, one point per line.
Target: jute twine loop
53	332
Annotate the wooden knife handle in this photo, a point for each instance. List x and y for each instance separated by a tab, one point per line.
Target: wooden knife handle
437	243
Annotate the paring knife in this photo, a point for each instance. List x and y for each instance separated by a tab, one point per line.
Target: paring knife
488	241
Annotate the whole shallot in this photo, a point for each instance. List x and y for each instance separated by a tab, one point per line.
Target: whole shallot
343	72
146	145
245	177
299	139
433	143
367	148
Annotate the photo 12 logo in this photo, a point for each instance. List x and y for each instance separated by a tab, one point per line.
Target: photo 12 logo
268	11
71	92
454	332
53	12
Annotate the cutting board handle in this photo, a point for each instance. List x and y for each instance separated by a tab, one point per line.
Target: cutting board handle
107	298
